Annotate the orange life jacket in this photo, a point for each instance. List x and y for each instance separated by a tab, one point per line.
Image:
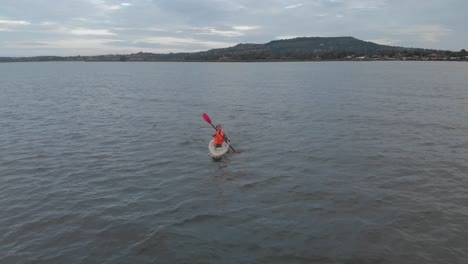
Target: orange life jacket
219	137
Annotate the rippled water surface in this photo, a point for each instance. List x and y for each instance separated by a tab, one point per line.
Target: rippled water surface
340	163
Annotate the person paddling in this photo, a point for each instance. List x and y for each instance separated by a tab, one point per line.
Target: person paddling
219	136
208	120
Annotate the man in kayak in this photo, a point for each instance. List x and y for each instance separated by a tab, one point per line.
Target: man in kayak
219	136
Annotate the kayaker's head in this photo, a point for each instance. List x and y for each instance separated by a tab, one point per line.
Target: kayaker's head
218	127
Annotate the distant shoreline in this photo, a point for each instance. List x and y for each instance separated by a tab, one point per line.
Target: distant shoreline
285	50
246	61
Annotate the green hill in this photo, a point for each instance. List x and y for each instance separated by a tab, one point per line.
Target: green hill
311	48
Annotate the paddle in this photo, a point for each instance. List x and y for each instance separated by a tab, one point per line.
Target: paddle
208	120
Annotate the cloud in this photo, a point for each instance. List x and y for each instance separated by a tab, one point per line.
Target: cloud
213	23
427	33
432	33
63	44
365	4
236	32
356	4
93	32
81	19
48	24
293	6
84	47
175	41
213	31
14	23
418	36
113	7
56	28
245	28
102	4
150	29
322	15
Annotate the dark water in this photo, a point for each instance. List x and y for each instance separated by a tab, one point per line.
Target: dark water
340	163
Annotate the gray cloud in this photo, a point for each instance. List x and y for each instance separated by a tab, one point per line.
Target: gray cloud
82	27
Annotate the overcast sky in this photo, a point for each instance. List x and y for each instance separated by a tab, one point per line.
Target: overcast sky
90	27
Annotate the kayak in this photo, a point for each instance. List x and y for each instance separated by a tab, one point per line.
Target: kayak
217	153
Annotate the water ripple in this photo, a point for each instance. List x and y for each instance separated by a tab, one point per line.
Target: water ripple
339	163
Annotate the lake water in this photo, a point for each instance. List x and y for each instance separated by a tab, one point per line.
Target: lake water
341	162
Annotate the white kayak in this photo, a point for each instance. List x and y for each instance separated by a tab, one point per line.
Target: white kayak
217	153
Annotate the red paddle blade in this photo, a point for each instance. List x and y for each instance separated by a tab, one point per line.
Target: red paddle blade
207	118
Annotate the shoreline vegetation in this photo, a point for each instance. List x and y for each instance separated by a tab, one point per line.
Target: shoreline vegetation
297	49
